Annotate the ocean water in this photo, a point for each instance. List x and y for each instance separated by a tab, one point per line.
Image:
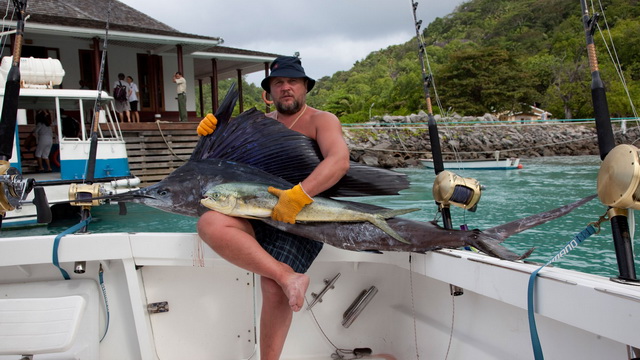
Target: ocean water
543	184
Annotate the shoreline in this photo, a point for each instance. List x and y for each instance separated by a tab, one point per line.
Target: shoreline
403	146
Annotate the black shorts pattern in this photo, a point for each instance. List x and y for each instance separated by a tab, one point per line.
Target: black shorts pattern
293	250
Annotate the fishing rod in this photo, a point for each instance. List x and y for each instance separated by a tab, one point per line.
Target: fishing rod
93	145
448	187
434	137
606	143
13	188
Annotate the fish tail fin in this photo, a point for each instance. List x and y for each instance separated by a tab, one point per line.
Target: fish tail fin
391	213
381	223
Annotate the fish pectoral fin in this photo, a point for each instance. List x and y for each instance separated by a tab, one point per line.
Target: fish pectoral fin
382	225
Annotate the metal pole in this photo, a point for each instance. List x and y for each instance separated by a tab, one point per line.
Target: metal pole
434	137
606	142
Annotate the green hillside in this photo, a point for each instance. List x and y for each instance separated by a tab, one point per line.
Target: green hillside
491	56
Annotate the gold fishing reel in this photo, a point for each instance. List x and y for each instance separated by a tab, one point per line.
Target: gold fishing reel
619	177
6	193
451	189
84	194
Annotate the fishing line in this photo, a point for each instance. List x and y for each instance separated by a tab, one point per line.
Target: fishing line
413	306
96	106
614	57
5	37
340	353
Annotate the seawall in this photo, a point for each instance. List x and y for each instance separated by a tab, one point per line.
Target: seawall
390	145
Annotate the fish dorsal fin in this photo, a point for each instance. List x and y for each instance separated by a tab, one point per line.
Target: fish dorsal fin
223	114
256	140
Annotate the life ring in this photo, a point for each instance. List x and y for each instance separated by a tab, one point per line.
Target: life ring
55	158
265	99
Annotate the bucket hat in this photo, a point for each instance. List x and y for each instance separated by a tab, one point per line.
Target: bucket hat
286	66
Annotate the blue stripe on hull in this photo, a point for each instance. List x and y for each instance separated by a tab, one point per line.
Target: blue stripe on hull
74	169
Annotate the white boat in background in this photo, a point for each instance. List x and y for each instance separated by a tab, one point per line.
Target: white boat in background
112	175
485	164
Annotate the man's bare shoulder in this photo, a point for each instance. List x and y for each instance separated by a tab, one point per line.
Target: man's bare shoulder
324	117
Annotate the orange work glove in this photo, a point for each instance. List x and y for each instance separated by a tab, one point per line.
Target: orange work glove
207	125
290	203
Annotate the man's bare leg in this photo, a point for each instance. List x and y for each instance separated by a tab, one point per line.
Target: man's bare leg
275	320
234	240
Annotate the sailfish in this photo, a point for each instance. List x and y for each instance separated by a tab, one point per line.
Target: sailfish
255	148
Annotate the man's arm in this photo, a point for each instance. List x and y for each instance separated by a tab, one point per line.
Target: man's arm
328	135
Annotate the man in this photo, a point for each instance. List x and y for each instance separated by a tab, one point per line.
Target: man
121	101
181	88
281	259
134	95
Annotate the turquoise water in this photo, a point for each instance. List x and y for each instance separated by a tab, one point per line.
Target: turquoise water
543	184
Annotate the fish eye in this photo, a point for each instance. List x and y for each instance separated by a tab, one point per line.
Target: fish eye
163	192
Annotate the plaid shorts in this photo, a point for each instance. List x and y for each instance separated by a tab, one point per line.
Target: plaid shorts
293	250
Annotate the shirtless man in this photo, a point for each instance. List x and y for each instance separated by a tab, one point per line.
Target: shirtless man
281	259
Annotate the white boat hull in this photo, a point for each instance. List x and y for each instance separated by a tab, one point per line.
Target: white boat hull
213	306
500	164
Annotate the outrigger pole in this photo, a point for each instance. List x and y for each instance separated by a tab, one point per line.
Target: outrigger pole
434	137
12	87
95	123
606	142
13	188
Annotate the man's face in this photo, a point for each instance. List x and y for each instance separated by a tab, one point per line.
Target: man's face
288	94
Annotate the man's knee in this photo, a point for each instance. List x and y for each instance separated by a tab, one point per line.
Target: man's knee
213	225
272	291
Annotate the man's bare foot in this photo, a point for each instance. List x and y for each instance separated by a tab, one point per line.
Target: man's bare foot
295	287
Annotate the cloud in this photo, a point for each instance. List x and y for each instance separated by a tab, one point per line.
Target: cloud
331	35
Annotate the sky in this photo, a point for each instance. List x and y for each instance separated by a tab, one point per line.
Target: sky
330	35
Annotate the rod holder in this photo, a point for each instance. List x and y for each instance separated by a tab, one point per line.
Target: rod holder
358	305
80	267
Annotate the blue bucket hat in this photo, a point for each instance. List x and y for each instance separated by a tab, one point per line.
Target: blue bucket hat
286	66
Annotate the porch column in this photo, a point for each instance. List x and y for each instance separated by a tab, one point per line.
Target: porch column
201	98
214	85
240	90
266	73
96	64
179	53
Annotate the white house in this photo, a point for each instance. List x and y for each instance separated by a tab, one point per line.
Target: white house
73	31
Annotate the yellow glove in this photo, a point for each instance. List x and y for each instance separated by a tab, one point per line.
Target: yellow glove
207	125
290	203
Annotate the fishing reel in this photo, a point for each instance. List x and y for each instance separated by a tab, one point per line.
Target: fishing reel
619	177
85	194
451	189
14	190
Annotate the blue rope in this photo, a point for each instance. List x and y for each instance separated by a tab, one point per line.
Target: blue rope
577	240
56	244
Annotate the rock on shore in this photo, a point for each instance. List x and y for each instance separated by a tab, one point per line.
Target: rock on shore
401	144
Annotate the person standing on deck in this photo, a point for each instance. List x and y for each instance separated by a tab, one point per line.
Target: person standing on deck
280	258
134	95
182	94
122	104
44	136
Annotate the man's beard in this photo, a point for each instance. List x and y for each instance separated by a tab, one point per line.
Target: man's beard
288	108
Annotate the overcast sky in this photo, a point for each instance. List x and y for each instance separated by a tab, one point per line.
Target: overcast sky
330	35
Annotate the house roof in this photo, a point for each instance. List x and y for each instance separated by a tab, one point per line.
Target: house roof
86	19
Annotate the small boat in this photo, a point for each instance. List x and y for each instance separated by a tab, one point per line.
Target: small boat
69	158
486	164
